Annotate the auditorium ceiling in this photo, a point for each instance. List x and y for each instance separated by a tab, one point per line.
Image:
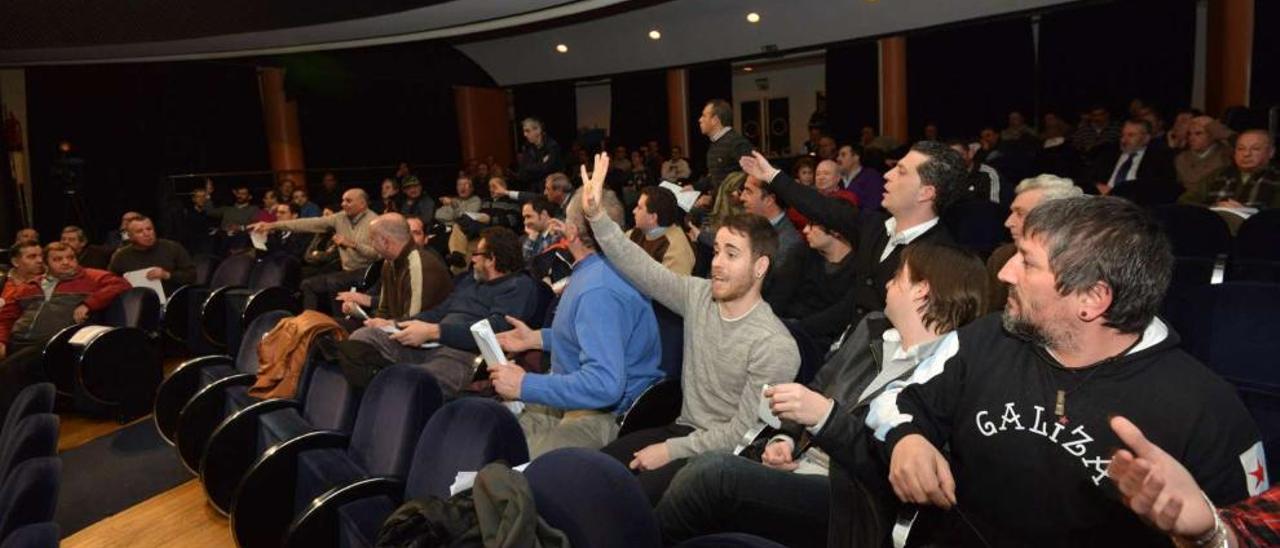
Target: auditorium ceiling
515	41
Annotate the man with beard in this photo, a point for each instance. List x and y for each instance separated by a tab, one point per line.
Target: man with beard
797	481
1023	402
41	307
238	215
440	338
733	343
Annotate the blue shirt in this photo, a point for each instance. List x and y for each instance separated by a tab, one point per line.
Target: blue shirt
604	344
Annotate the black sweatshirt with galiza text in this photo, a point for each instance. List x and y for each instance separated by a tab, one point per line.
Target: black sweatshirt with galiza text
1024	476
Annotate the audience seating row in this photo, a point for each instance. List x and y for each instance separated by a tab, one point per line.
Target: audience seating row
30	471
1232	328
1203	245
113	371
209	317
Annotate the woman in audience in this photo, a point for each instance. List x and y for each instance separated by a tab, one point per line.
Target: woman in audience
803	171
639	176
391	200
784	493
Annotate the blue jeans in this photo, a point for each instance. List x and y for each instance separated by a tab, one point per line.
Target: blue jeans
720	492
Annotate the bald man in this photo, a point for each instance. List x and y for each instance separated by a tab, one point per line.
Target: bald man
351	234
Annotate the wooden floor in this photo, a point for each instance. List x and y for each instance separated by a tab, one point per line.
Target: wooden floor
177	517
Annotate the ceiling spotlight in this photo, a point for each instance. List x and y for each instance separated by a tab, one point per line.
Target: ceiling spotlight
654	34
753	17
562	48
747	69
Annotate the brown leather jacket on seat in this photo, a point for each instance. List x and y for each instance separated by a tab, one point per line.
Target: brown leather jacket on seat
282	353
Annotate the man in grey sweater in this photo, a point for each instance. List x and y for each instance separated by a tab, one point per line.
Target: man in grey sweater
351	236
733	343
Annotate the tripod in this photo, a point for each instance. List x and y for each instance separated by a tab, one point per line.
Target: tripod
75	211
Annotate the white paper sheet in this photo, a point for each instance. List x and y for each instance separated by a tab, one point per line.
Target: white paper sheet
83	336
763	411
685	198
1242	212
467	480
259	240
138	278
483	334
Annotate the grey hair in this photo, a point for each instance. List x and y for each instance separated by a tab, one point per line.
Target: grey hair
392	226
1109	240
1052	187
360	193
561	182
573	215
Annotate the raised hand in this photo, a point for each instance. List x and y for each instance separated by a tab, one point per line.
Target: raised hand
757	166
593	185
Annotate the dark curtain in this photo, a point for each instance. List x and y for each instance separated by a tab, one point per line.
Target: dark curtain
706	82
133	125
555	103
853	90
1265	77
380	106
638	108
962	78
9	217
1110	53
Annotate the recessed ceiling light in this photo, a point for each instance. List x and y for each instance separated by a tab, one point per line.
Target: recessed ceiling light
747	69
753	17
562	48
654	34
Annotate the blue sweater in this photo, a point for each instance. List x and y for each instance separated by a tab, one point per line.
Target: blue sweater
471	301
603	343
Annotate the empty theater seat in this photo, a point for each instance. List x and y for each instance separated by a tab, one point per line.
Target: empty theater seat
285	481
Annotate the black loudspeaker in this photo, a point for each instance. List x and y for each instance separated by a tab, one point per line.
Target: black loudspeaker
780	125
751	123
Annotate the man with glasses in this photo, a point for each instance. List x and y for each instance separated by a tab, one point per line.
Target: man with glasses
440	338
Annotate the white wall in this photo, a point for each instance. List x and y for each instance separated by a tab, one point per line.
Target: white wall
593	105
799	84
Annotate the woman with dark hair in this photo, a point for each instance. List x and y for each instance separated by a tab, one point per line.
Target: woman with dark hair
389	192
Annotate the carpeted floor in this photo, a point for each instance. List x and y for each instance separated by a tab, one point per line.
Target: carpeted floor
114	472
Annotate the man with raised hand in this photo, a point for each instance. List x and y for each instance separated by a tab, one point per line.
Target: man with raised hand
604	350
733	343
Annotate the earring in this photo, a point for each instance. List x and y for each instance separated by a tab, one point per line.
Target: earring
1084	315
